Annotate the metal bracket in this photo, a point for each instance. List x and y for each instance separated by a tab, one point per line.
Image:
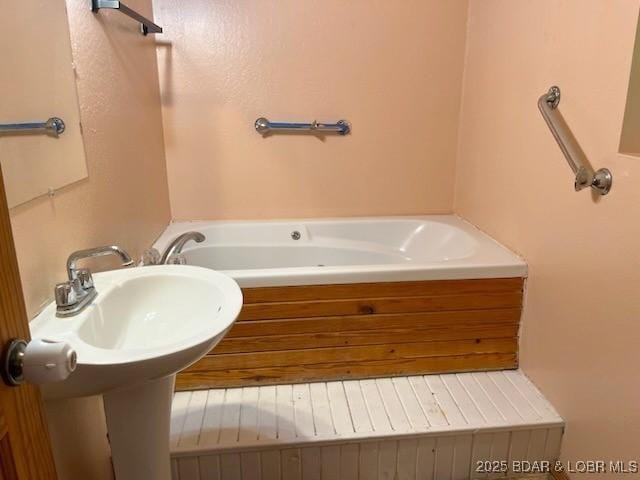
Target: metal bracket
146	25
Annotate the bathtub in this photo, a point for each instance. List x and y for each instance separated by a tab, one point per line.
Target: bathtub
347	250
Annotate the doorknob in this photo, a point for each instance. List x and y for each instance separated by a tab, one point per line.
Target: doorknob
39	361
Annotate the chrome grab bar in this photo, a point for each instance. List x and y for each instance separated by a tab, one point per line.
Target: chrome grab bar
54	126
599	180
146	25
264	127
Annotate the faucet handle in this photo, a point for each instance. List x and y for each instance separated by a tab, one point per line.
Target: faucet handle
85	278
65	294
151	256
176	259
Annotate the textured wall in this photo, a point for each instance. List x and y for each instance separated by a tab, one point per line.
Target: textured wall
224	63
580	328
393	69
124	200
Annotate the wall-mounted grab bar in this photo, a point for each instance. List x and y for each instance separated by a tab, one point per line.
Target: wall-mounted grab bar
146	25
264	127
599	180
54	126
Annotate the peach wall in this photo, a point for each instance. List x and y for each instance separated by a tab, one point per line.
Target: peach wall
580	329
393	69
124	200
401	61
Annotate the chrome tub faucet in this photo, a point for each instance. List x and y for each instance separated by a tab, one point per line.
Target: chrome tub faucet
178	243
172	254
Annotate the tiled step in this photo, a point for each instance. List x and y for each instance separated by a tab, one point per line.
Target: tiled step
419	427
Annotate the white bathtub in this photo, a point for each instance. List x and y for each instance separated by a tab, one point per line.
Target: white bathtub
349	250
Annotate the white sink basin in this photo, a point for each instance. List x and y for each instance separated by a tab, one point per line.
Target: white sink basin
146	324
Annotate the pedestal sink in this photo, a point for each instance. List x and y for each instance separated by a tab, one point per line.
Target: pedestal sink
145	325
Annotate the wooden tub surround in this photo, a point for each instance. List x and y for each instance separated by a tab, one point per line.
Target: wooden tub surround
335	332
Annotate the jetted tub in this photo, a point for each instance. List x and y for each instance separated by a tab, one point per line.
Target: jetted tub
328	300
348	250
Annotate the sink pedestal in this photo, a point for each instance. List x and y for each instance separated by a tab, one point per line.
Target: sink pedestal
138	421
145	324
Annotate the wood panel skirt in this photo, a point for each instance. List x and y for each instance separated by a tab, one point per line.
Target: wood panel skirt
330	332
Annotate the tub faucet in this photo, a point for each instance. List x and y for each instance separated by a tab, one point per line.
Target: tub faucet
178	243
78	292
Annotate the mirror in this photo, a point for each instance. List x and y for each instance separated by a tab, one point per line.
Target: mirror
629	139
37	84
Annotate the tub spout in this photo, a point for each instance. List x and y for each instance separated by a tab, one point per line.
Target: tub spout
178	243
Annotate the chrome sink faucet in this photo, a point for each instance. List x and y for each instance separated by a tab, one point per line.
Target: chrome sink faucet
78	292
